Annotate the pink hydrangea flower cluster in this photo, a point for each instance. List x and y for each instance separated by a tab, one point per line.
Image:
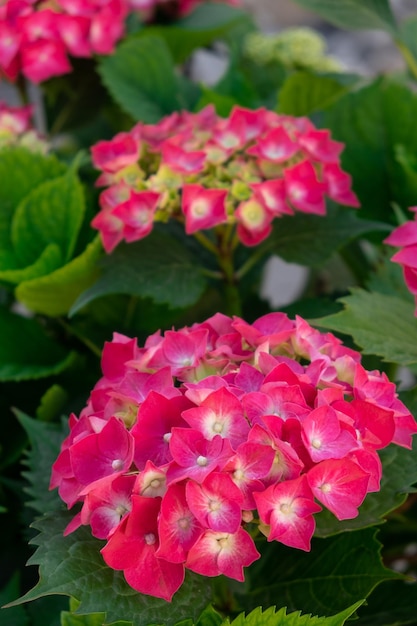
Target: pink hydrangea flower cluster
190	445
38	36
16	129
207	171
405	237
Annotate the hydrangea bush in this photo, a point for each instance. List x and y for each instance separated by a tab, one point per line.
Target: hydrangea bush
194	454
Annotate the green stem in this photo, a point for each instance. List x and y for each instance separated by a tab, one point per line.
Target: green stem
206	243
85	340
407	56
251	262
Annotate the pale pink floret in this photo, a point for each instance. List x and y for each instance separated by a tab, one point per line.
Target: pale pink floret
319	145
220	413
339	185
288	508
340	485
254	222
113	155
305	191
106	505
276	145
324	437
195	457
137	214
133	546
216	502
216	553
109	452
178	528
203	208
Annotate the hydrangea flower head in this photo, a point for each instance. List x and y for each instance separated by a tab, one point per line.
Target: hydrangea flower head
179	470
243	171
38	37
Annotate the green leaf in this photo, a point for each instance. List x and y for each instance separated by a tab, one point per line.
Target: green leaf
55	293
304	93
50	214
73	566
205	24
45	440
49	260
272	618
69	618
399	474
21	171
338	572
355	14
393	603
375	123
141	78
311	239
157	267
380	324
26	351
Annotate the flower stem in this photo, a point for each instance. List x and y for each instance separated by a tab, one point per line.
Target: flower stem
85	340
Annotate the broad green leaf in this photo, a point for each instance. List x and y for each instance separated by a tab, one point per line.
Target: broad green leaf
21	171
205	24
270	617
388	279
17	615
399	474
45	443
375	123
70	618
393	603
311	239
157	267
55	293
51	213
26	351
141	78
73	566
304	93
379	324
338	572
48	261
355	14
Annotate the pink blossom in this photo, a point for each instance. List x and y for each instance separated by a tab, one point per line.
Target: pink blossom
203	208
170	472
234	174
217	553
288	509
340	485
133	546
